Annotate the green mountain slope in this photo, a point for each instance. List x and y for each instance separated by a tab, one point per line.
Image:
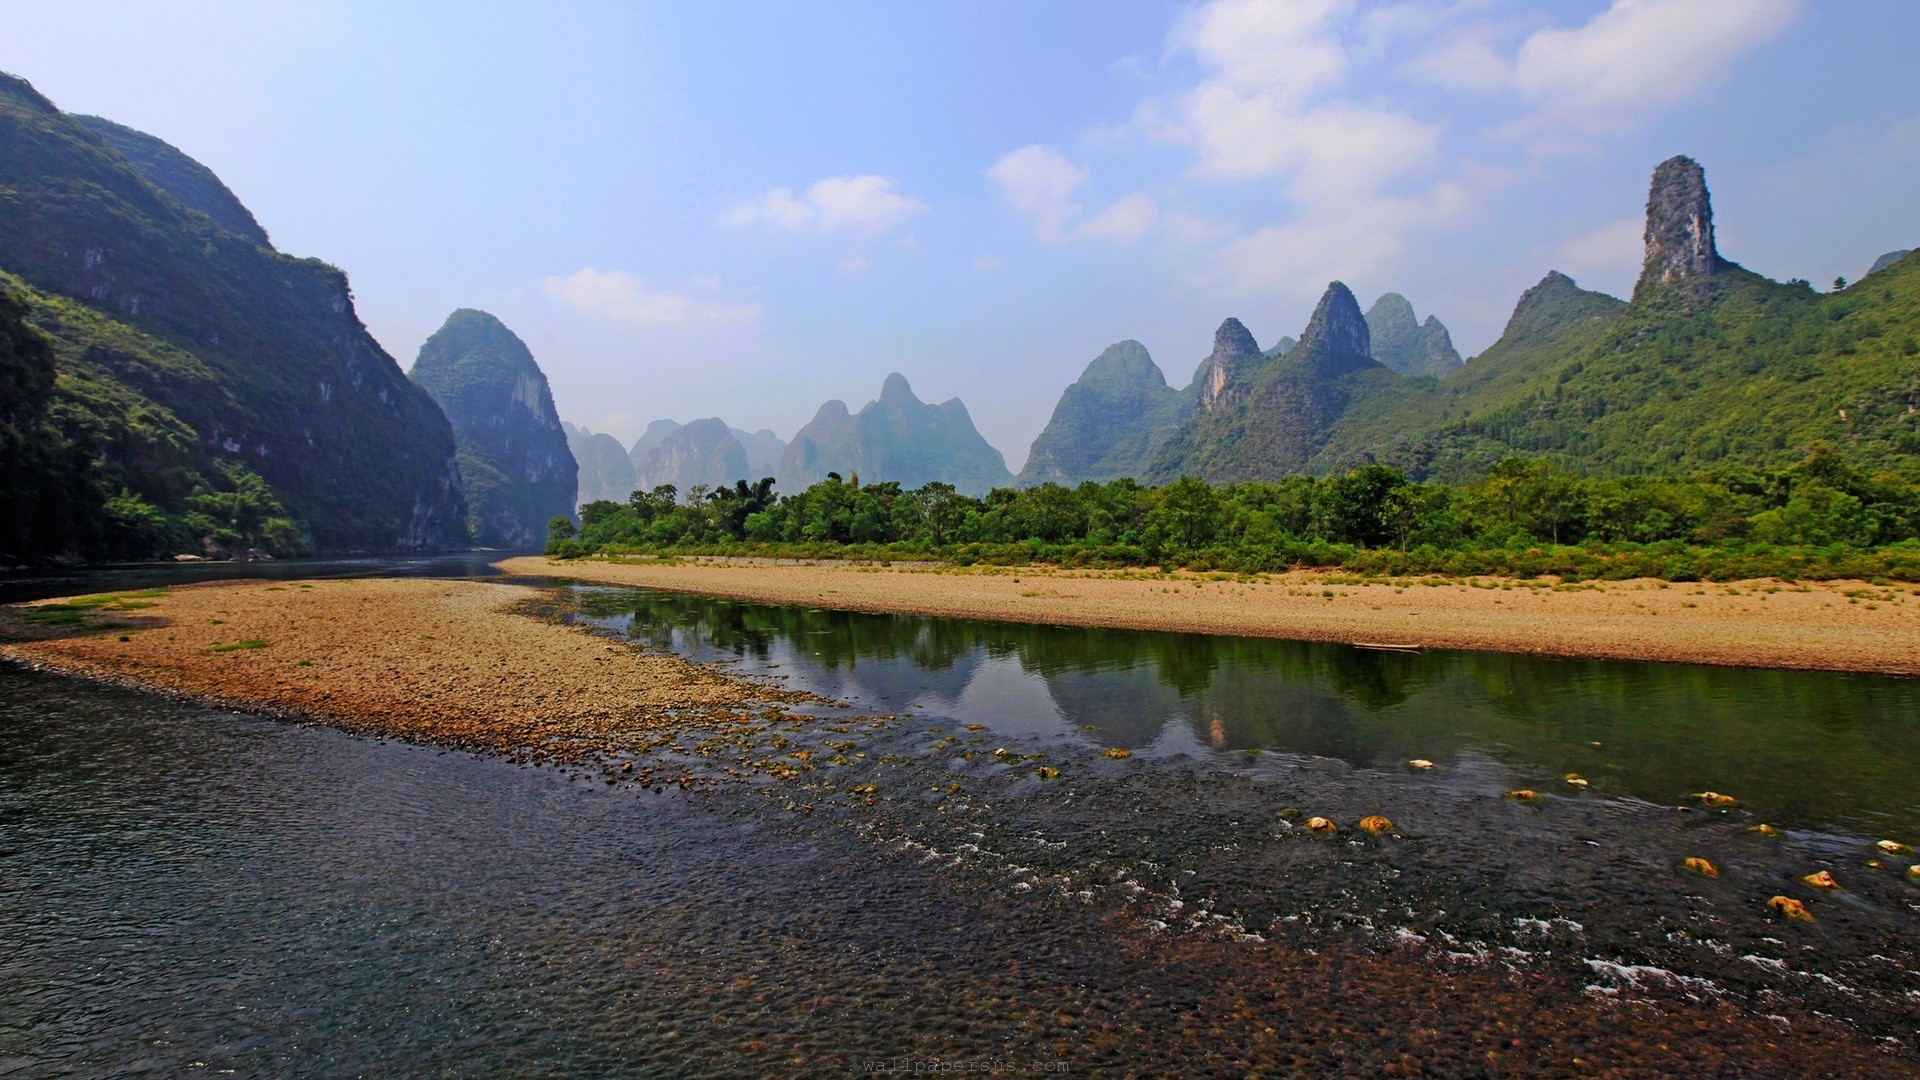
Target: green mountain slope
1109	423
1405	344
1260	417
96	465
298	394
897	437
1708	366
191	184
515	465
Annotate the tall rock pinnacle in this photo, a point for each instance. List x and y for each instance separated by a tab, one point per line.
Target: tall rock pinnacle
1679	225
1232	346
1337	327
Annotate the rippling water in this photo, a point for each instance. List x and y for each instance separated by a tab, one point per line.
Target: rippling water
184	889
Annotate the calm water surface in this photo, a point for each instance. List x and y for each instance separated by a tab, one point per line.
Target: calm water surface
188	890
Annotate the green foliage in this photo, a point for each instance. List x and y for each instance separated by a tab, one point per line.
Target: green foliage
1817	518
515	465
179	342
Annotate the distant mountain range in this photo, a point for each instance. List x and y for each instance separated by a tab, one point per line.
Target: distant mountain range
1708	365
183	386
897	437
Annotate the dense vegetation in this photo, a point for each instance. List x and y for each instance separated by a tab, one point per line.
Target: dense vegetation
515	465
1818	518
91	466
195	363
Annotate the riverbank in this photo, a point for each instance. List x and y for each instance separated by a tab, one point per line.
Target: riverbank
1821	626
452	662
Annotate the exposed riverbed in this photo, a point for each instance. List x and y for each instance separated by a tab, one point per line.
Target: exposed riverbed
869	880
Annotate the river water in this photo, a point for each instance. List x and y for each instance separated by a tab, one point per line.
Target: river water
185	889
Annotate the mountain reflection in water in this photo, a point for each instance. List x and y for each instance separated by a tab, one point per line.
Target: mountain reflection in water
1804	748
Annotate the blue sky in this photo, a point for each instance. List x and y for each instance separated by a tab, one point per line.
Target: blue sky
744	209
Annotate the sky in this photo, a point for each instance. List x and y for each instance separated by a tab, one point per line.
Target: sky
746	209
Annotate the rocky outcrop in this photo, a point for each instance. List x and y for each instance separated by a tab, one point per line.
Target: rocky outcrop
1109	423
703	453
897	437
1233	348
1679	235
515	464
1406	345
606	472
1888	259
1273	416
1337	330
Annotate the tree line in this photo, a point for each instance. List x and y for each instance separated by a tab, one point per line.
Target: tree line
1823	516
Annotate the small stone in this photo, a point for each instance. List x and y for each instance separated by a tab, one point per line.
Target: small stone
1376	824
1320	824
1703	867
1820	879
1419	763
1047	772
1788	908
1914	871
1523	794
1891	847
1576	780
1116	753
1764	829
1715	799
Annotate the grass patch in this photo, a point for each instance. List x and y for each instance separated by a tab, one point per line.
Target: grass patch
250	643
74	612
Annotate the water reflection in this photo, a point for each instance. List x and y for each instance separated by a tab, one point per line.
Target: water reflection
1805	748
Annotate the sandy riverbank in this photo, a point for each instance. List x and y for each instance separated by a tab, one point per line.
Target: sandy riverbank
431	661
1832	626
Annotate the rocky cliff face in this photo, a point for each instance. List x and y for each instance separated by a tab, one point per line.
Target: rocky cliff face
1406	345
701	453
297	392
1679	233
1109	423
655	434
1888	259
896	437
1233	349
606	472
515	464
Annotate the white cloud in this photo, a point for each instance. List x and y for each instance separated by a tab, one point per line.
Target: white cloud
1466	61
1256	115
1125	222
1644	54
1190	231
616	294
1039	182
1361	242
986	264
1610	250
865	204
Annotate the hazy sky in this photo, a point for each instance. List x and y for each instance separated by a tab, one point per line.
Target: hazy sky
744	209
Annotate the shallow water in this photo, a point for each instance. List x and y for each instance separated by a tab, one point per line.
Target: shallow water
184	889
1803	750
